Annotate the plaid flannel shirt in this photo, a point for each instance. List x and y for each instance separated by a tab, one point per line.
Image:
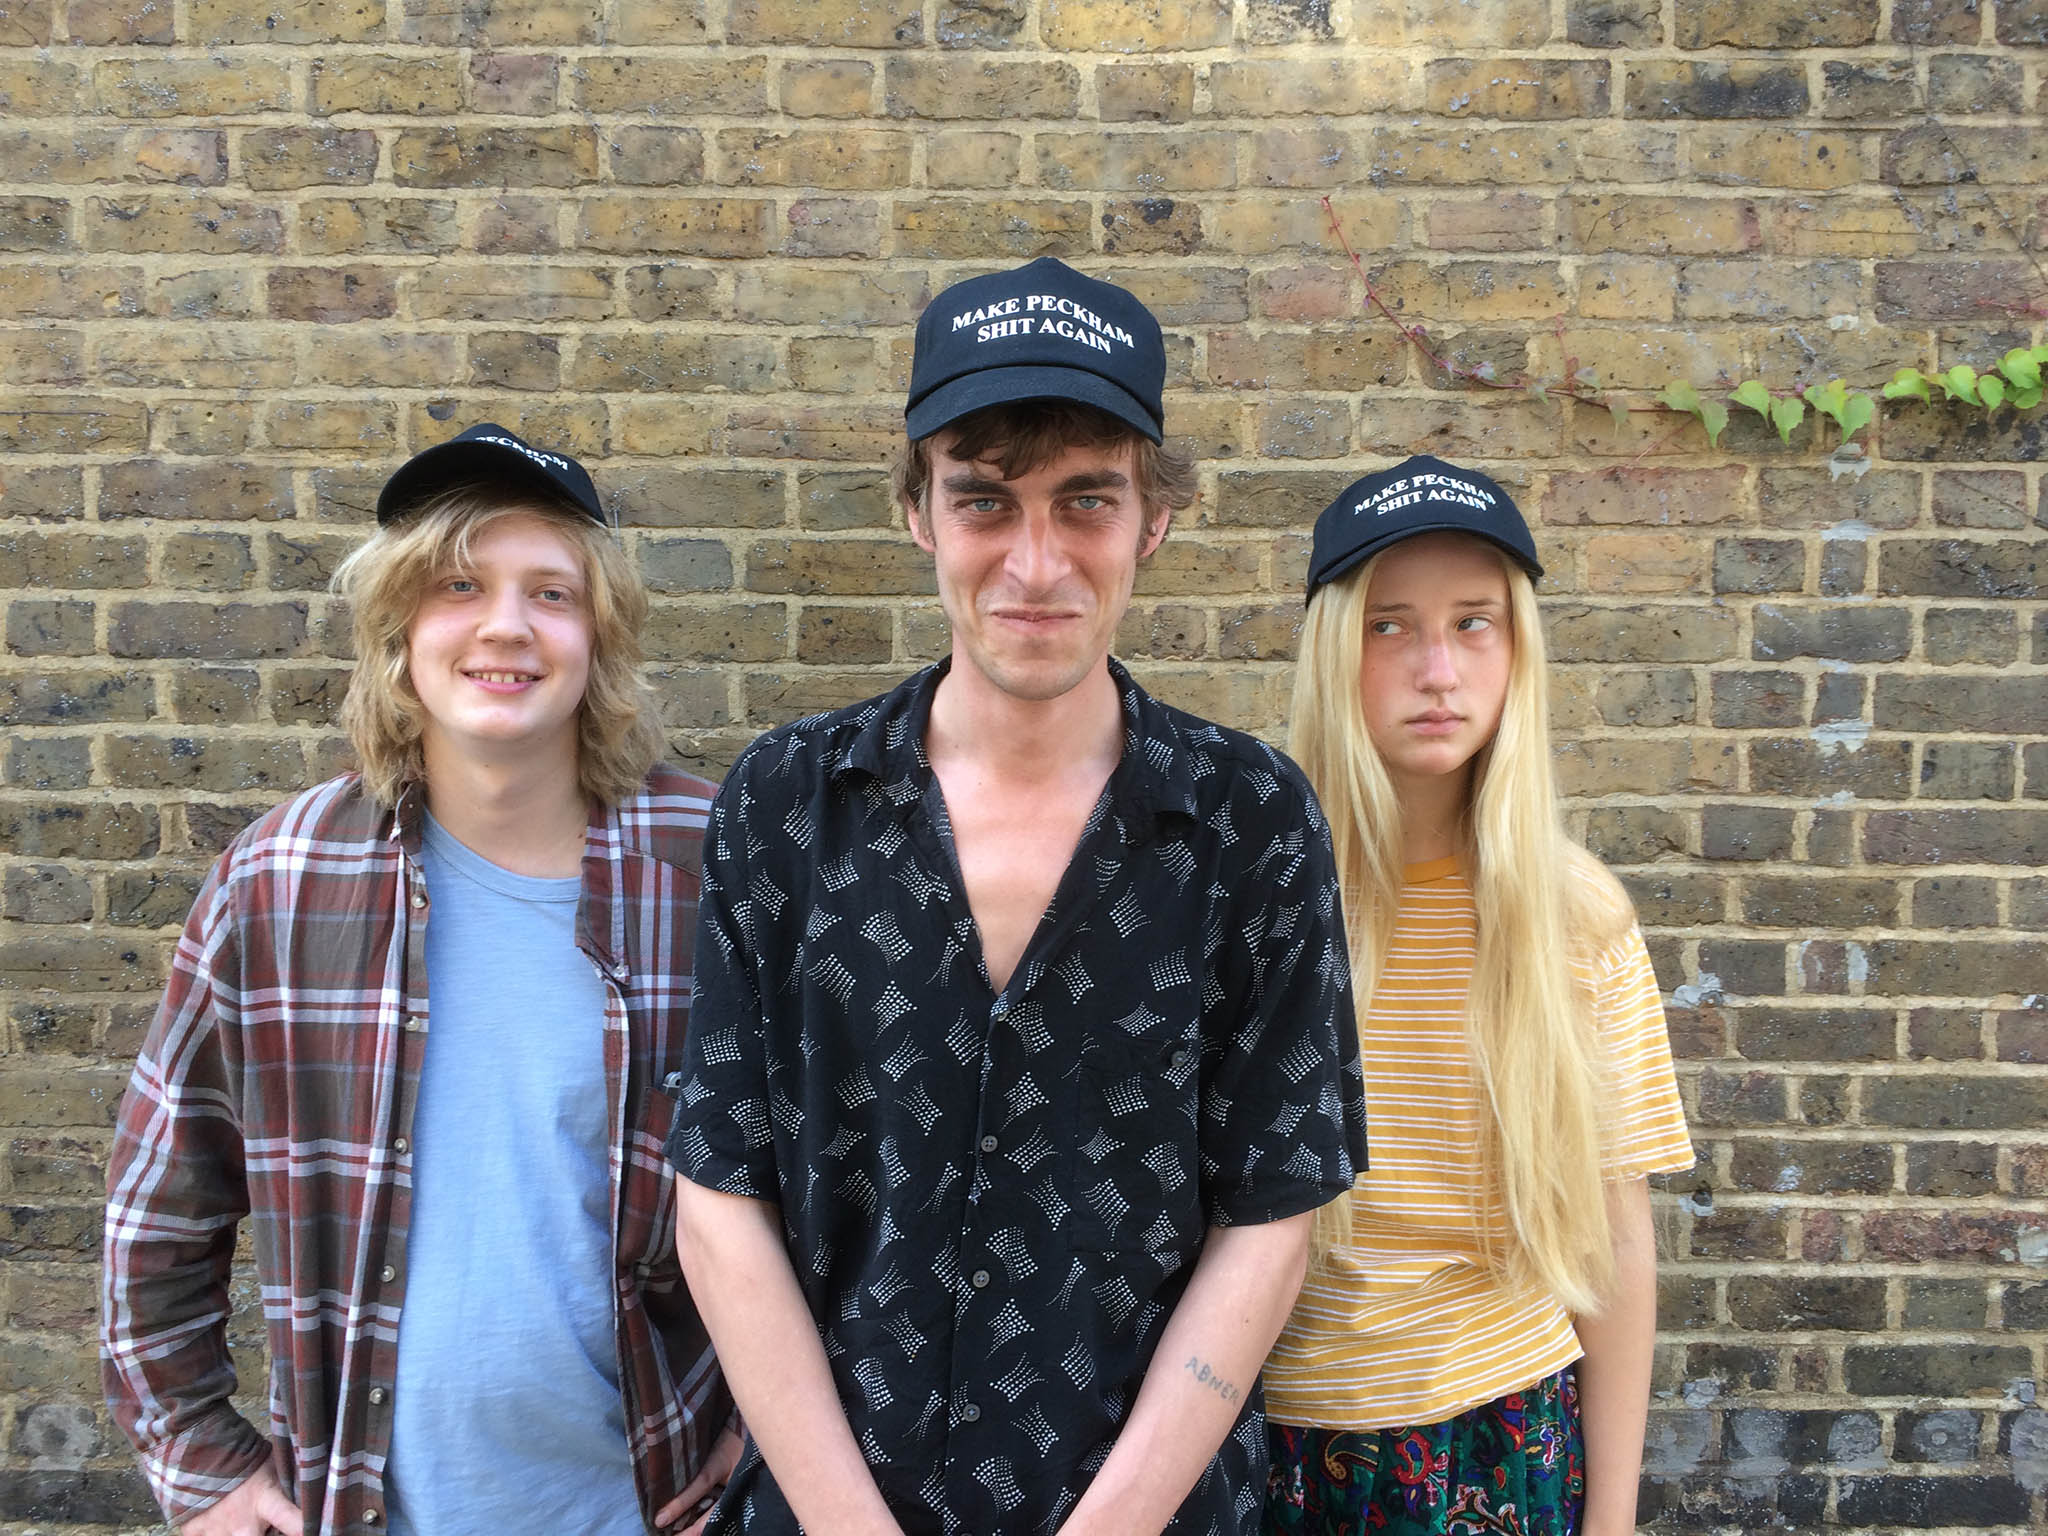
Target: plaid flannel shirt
278	1083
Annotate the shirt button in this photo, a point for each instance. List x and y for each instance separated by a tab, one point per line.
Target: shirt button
414	1024
401	1145
979	1279
379	1397
1178	1062
371	1517
387	1274
988	1143
969	1414
419	899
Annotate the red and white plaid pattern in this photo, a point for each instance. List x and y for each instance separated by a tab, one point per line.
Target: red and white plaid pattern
278	1084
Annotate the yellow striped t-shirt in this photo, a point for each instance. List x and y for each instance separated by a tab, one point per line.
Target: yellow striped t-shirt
1407	1325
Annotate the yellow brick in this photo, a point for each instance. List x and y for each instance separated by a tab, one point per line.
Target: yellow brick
1517	88
195	157
827	23
1157	225
1662	226
1145	93
1755	155
959	158
342	225
668	428
1462	157
1636	357
685	362
39	86
1504	221
576	426
1315	159
446	291
1176	161
420	85
707	226
70	293
1665	563
348	358
194	357
1241	697
1269	360
1626	288
677	87
832	226
834	365
834	159
1842	226
1206	426
995	90
991	229
1303	429
71	424
1476	24
805	296
111	23
1134	26
1474	292
1458	428
826	87
1247	226
1340	87
182	224
635	22
332	425
202	427
1865	355
278	23
861	434
509	23
494	157
1626	153
223	86
67	158
42	357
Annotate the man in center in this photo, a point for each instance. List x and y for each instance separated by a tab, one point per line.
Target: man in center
1022	1049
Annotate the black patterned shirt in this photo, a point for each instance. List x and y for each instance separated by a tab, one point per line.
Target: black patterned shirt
993	1202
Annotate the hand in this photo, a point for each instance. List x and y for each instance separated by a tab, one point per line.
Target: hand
705	1487
256	1506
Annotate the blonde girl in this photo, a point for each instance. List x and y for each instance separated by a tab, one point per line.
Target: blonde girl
1471	1352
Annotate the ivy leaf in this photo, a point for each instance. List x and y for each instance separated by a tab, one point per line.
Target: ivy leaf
1539	390
1829	399
1714	417
1681	396
1587	378
2020	368
1857	414
1483	373
2027	399
1754	394
1785	415
1618	409
1960	383
1909	383
1991	390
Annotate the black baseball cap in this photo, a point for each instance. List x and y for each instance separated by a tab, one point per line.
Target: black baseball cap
1418	495
1041	332
487	452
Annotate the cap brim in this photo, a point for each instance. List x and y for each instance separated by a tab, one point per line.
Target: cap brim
455	463
1002	386
1352	559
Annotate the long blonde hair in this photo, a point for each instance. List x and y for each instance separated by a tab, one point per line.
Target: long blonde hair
618	738
1541	899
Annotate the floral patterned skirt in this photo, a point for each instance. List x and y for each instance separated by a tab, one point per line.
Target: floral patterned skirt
1512	1467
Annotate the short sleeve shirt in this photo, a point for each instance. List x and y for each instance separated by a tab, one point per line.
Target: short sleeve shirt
993	1202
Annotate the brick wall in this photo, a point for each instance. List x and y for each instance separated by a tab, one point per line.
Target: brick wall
251	256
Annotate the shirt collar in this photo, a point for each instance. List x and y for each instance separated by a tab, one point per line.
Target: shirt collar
1157	772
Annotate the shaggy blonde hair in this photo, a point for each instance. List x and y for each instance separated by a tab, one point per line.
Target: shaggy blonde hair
1542	900
384	582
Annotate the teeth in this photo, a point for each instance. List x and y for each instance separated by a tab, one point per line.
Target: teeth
503	677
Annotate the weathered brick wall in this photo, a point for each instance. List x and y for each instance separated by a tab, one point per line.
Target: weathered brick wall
251	256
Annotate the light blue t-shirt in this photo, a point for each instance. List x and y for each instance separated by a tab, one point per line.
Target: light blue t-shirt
506	1410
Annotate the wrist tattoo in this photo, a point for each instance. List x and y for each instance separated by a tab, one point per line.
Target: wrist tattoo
1199	1369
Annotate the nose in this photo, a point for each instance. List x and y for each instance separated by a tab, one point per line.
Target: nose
1036	562
1438	672
504	615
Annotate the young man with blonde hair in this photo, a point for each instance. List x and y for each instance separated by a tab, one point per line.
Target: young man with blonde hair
1022	1046
416	1033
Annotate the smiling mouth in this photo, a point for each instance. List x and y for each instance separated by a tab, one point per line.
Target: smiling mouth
503	677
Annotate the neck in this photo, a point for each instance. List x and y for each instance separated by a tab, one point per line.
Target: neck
526	817
1022	741
1433	814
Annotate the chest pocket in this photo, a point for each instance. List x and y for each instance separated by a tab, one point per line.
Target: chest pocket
1132	1151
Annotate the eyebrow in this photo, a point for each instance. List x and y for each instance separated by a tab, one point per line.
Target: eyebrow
966	482
1463	602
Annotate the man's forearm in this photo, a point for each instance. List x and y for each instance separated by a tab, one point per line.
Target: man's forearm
732	1253
1236	1302
1614	1375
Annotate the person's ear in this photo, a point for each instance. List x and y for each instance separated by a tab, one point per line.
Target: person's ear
920	523
1157	522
